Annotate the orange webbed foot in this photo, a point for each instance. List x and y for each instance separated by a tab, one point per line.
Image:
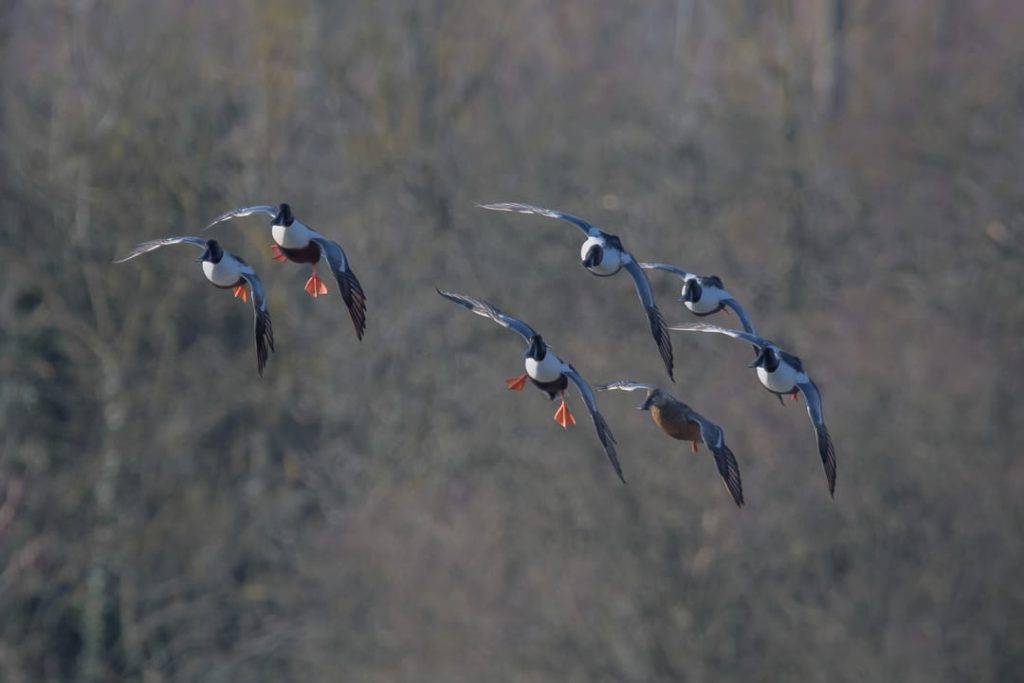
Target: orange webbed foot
315	286
516	383
693	446
563	416
241	292
794	396
278	254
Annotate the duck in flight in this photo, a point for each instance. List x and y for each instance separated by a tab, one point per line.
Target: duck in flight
603	255
682	422
297	242
782	374
546	371
226	271
705	294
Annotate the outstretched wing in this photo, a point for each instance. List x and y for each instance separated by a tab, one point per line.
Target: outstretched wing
488	311
714	438
685	275
351	290
658	331
550	213
760	342
264	330
625	385
241	212
163	242
748	324
825	449
603	431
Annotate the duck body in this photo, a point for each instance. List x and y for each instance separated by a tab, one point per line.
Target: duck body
781	373
675	423
225	273
704	295
603	255
295	240
546	374
293	236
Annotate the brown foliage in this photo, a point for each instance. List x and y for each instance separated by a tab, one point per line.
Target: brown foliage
386	510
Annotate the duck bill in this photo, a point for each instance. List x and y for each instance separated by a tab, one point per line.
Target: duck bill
207	255
593	257
646	405
762	356
691	290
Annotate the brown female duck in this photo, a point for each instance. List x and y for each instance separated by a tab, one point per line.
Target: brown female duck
682	422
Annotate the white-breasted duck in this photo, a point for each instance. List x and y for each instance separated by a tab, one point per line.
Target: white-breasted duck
682	422
603	255
226	271
294	241
546	371
705	294
783	373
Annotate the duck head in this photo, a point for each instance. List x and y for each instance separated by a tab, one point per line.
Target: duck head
284	215
691	291
214	253
537	349
594	256
653	398
768	359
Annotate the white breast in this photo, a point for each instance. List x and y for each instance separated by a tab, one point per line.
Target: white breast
547	370
710	300
611	260
783	380
223	274
294	236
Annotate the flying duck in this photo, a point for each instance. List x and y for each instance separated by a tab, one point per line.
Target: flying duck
704	294
226	271
782	373
682	422
603	255
546	371
296	242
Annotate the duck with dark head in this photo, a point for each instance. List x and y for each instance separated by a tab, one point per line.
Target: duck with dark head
224	270
546	371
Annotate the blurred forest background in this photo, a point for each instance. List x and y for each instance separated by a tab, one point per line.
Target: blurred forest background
386	510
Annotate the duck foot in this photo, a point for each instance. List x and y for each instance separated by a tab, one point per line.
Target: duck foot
563	416
278	254
516	383
241	292
794	396
315	286
693	446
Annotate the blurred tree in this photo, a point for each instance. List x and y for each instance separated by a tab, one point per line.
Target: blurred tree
386	509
